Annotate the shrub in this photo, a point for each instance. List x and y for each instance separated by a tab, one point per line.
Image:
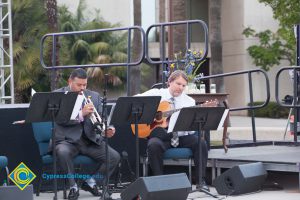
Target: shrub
272	110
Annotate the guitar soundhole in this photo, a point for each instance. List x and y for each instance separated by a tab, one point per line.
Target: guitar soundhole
158	115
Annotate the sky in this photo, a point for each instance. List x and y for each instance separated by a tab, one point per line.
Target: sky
111	8
71	4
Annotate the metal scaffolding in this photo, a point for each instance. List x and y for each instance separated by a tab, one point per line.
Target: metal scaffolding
6	54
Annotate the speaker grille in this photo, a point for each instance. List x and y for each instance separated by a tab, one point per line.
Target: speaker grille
173	186
241	179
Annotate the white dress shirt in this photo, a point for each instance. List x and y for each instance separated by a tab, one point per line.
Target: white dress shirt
181	101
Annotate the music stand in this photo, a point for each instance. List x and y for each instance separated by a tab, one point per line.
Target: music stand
200	119
135	110
54	107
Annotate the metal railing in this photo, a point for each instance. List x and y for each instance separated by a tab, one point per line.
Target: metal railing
128	63
56	35
163	61
251	106
295	106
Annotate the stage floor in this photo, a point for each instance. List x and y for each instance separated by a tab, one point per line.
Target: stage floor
286	194
268	153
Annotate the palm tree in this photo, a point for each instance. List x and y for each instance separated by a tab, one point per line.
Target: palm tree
179	31
51	8
29	23
162	11
215	38
101	47
135	71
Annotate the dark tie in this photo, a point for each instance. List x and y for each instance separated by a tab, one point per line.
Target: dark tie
175	138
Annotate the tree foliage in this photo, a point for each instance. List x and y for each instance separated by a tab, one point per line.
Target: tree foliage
276	46
29	19
97	47
29	23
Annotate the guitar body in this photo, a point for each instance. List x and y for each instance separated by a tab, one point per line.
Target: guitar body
161	117
144	130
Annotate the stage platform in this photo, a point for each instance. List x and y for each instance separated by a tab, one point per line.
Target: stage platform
288	182
285	194
278	160
273	157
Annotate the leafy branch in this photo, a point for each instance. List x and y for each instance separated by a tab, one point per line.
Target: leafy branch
276	46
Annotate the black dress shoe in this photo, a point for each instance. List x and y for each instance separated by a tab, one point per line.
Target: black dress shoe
94	190
74	194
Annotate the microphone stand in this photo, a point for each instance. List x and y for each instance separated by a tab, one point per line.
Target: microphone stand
104	118
54	108
118	179
132	174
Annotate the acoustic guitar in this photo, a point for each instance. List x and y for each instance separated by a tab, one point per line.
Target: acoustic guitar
162	116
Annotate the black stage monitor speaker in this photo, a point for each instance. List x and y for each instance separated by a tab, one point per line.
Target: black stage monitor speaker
241	179
173	186
12	192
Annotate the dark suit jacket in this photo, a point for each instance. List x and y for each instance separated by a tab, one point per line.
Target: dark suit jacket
72	130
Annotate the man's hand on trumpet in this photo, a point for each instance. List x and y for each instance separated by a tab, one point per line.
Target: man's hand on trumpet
87	109
110	131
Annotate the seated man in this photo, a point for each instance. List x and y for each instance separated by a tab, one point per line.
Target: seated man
162	139
80	137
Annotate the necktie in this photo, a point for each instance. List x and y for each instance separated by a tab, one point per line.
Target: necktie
175	138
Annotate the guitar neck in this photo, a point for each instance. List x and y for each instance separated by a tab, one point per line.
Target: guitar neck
170	112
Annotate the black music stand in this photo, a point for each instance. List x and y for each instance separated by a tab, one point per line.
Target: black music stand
200	119
54	107
135	110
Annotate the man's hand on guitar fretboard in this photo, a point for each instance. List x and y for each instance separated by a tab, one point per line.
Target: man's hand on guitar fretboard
211	103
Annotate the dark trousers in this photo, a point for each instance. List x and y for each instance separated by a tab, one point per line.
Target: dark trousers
67	151
158	145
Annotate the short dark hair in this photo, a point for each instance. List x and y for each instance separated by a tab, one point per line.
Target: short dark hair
78	73
176	74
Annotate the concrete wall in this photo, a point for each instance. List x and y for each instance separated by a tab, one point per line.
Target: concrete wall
236	16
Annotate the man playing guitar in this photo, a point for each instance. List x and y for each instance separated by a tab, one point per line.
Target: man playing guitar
160	138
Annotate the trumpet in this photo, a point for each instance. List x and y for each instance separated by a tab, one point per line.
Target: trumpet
94	117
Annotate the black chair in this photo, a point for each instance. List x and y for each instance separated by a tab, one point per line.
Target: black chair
42	134
3	164
174	156
158	85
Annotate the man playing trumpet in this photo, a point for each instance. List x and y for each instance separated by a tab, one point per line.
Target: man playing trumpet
80	136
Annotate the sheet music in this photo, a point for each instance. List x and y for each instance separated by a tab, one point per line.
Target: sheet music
172	121
223	119
77	107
